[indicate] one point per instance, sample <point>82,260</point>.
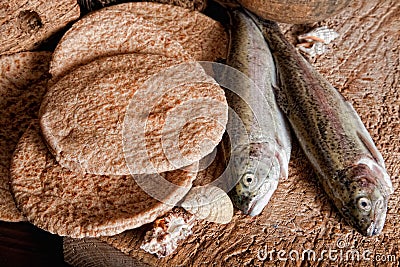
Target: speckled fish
<point>261,155</point>
<point>349,166</point>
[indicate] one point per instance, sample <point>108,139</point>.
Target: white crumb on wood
<point>164,238</point>
<point>314,42</point>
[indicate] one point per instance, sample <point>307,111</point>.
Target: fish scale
<point>349,167</point>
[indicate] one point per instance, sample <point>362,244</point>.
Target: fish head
<point>366,206</point>
<point>258,180</point>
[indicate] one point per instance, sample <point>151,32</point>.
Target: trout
<point>261,153</point>
<point>348,165</point>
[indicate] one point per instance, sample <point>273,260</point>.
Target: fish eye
<point>248,179</point>
<point>364,204</point>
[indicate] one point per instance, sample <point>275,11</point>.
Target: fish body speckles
<point>348,165</point>
<point>261,156</point>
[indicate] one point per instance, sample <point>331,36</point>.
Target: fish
<point>261,153</point>
<point>348,165</point>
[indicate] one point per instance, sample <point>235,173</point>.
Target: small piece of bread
<point>140,27</point>
<point>82,205</point>
<point>23,78</point>
<point>24,25</point>
<point>89,127</point>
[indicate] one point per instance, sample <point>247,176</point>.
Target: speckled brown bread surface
<point>82,114</point>
<point>296,11</point>
<point>83,205</point>
<point>107,33</point>
<point>24,25</point>
<point>23,78</point>
<point>140,27</point>
<point>363,64</point>
<point>204,38</point>
<point>83,117</point>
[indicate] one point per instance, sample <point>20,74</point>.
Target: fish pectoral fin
<point>283,163</point>
<point>369,144</point>
<point>365,137</point>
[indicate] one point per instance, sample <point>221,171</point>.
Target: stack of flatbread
<point>126,114</point>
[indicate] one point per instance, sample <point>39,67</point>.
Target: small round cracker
<point>140,27</point>
<point>82,205</point>
<point>83,117</point>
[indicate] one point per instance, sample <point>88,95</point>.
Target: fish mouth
<point>250,210</point>
<point>376,227</point>
<point>373,229</point>
<point>257,205</point>
<point>378,218</point>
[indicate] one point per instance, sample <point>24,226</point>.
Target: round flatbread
<point>23,78</point>
<point>107,33</point>
<point>140,27</point>
<point>83,116</point>
<point>204,38</point>
<point>82,205</point>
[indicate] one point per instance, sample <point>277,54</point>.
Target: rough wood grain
<point>23,78</point>
<point>94,253</point>
<point>363,63</point>
<point>24,24</point>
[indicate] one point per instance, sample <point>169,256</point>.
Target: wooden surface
<point>22,245</point>
<point>92,252</point>
<point>363,63</point>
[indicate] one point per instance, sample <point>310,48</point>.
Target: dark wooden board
<point>22,244</point>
